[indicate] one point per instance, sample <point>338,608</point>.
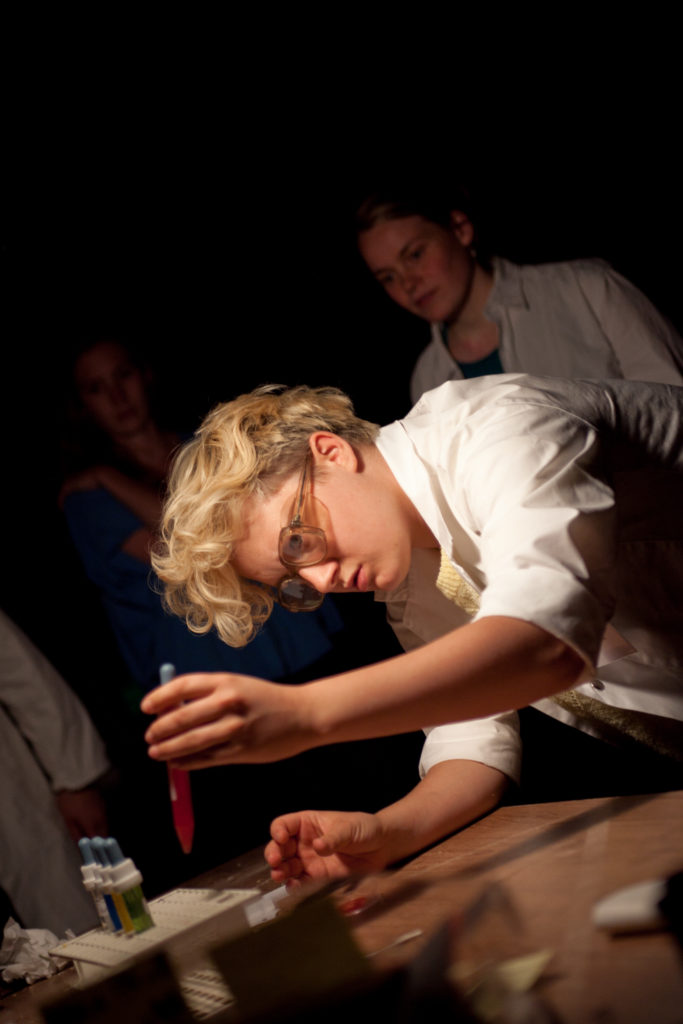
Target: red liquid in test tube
<point>179,788</point>
<point>181,805</point>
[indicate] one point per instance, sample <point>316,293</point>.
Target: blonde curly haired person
<point>526,533</point>
<point>244,450</point>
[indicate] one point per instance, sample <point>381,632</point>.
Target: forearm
<point>488,667</point>
<point>493,665</point>
<point>451,795</point>
<point>139,544</point>
<point>84,812</point>
<point>142,500</point>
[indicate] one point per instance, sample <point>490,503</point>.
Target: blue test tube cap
<point>113,851</point>
<point>86,850</point>
<point>98,848</point>
<point>166,672</point>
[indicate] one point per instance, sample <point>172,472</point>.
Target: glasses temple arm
<point>296,518</point>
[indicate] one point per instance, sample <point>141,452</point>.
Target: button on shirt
<point>559,502</point>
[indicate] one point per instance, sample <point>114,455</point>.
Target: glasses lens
<point>302,545</point>
<point>299,596</point>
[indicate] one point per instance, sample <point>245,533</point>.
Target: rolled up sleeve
<point>491,741</point>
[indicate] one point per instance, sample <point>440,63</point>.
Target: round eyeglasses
<point>300,546</point>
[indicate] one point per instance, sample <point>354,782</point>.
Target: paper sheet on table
<point>489,988</point>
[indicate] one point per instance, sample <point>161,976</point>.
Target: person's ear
<point>331,450</point>
<point>462,227</point>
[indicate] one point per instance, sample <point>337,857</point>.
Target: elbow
<point>562,663</point>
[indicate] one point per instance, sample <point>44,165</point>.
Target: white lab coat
<point>47,743</point>
<point>573,319</point>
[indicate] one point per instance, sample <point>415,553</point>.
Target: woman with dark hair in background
<point>578,318</point>
<point>112,504</point>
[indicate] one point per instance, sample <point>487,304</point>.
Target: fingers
<point>324,846</point>
<point>284,845</point>
<point>249,719</point>
<point>344,833</point>
<point>180,689</point>
<point>191,718</point>
<point>283,861</point>
<point>285,826</point>
<point>275,851</point>
<point>293,868</point>
<point>184,743</point>
<point>196,712</point>
<point>273,854</point>
<point>333,839</point>
<point>285,853</point>
<point>205,753</point>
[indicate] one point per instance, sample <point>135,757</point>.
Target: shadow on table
<point>556,833</point>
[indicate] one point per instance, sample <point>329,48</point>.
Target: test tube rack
<point>187,922</point>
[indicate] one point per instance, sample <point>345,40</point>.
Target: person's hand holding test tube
<point>179,787</point>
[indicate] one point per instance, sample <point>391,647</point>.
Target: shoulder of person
<point>563,280</point>
<point>587,269</point>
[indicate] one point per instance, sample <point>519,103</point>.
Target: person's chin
<point>389,581</point>
<point>433,308</point>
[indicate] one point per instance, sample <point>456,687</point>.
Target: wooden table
<point>553,862</point>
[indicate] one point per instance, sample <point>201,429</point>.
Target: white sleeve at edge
<point>492,741</point>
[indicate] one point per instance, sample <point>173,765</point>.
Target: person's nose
<point>410,282</point>
<point>117,393</point>
<point>323,576</point>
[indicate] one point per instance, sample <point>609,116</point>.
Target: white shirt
<point>47,743</point>
<point>560,502</point>
<point>574,319</point>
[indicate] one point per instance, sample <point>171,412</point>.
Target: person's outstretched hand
<point>325,844</point>
<point>213,718</point>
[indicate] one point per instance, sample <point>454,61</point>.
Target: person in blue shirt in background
<point>119,453</point>
<point>112,503</point>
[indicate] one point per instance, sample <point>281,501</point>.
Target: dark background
<point>217,236</point>
<point>228,254</point>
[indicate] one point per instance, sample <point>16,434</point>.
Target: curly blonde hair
<point>244,448</point>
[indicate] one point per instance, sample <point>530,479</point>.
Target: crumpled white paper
<point>24,953</point>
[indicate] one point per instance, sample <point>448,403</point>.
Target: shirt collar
<point>398,443</point>
<point>508,290</point>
